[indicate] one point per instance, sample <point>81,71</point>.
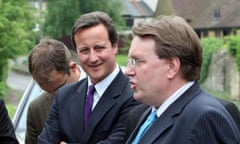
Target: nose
<point>92,56</point>
<point>129,70</point>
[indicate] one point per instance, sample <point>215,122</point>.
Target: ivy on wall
<point>233,45</point>
<point>210,45</point>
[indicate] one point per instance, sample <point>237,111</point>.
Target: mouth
<point>133,85</point>
<point>94,67</point>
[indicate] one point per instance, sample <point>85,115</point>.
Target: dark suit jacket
<point>136,113</point>
<point>196,117</point>
<point>106,123</point>
<point>36,117</point>
<point>7,134</point>
<point>233,110</point>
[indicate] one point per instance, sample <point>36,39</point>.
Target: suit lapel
<point>165,121</point>
<point>157,129</point>
<point>140,122</point>
<point>77,109</point>
<point>106,102</point>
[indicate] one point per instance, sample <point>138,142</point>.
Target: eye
<point>99,48</point>
<point>83,50</point>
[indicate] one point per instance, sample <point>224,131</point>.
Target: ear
<point>115,47</point>
<point>73,66</point>
<point>174,67</point>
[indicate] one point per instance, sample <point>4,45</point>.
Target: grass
<point>11,109</point>
<point>12,99</point>
<point>122,59</point>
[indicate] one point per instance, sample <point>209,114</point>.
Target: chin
<point>137,97</point>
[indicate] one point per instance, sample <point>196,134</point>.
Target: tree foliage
<point>61,14</point>
<point>16,35</point>
<point>59,17</point>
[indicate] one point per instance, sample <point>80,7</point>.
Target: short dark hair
<point>92,19</point>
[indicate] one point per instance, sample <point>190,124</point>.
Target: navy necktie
<point>89,103</point>
<point>145,126</point>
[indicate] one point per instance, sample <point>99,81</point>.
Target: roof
<point>200,13</point>
<point>136,9</point>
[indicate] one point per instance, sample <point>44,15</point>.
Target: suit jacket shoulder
<point>232,109</point>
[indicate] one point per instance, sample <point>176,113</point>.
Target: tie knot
<point>91,89</point>
<point>152,117</point>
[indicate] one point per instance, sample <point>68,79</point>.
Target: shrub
<point>233,44</point>
<point>3,90</point>
<point>210,45</point>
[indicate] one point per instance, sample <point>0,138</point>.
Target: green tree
<point>16,35</point>
<point>61,14</point>
<point>59,17</point>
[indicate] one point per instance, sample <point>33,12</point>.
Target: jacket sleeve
<point>7,134</point>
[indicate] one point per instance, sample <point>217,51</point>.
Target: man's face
<point>96,54</point>
<point>55,81</point>
<point>148,77</point>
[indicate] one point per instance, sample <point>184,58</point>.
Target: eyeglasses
<point>133,62</point>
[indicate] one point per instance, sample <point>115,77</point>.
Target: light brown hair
<point>47,56</point>
<point>174,37</point>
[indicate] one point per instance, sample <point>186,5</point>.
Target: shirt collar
<point>163,107</point>
<point>101,86</point>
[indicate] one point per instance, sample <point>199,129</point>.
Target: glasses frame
<point>131,62</point>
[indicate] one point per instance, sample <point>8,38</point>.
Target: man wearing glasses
<point>165,59</point>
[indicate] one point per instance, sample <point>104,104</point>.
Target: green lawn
<point>122,60</point>
<point>11,110</point>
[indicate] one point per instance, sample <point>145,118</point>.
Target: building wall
<point>223,74</point>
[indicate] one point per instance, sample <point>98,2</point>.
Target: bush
<point>3,90</point>
<point>233,44</point>
<point>210,45</point>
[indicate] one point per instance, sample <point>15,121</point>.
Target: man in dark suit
<point>164,65</point>
<point>7,134</point>
<point>95,39</point>
<point>135,115</point>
